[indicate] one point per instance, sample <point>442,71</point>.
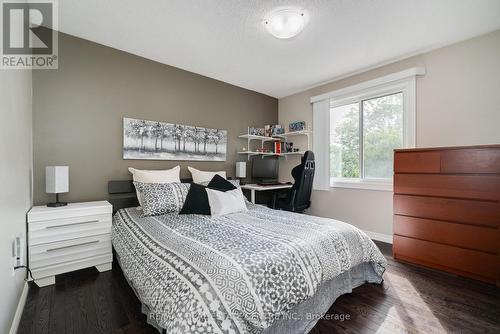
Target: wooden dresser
<point>447,209</point>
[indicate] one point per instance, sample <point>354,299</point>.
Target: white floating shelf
<point>262,138</point>
<point>294,133</point>
<point>294,153</point>
<point>271,153</point>
<point>276,138</point>
<point>256,153</point>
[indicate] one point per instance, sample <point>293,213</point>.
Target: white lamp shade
<point>241,169</point>
<point>56,179</point>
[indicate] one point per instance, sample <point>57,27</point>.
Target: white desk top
<point>254,186</point>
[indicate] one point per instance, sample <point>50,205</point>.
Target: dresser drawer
<point>481,187</point>
<point>466,236</point>
<point>471,160</point>
<point>69,250</point>
<point>417,162</point>
<point>454,210</point>
<point>68,228</point>
<point>454,259</point>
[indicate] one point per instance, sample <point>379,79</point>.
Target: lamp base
<point>57,204</point>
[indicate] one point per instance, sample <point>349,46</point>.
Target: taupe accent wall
<point>458,103</point>
<point>78,111</point>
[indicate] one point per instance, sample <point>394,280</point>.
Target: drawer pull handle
<point>64,247</point>
<point>69,224</point>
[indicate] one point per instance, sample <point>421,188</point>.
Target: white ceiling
<point>226,40</point>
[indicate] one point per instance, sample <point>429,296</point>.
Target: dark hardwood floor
<point>411,300</point>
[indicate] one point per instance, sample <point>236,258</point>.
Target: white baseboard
<point>379,236</point>
<point>19,309</point>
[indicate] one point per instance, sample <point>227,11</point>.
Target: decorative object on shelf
<point>244,149</point>
<point>280,136</point>
<point>56,182</point>
<point>152,140</point>
<point>273,130</point>
<point>297,126</point>
<point>277,130</point>
<point>268,130</point>
<point>277,147</point>
<point>241,169</point>
<point>254,131</point>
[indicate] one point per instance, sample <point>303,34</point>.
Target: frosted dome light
<point>285,23</point>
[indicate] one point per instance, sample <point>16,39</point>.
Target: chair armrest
<point>292,199</point>
<point>273,203</point>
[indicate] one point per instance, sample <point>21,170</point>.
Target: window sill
<point>366,185</point>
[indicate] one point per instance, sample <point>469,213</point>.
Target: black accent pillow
<point>221,184</point>
<point>196,201</point>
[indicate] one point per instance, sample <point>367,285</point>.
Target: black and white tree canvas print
<point>165,141</point>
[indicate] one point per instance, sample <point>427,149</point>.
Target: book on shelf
<point>277,147</point>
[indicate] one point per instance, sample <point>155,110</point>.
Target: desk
<point>255,187</point>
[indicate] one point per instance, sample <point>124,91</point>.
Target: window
<point>363,136</point>
<point>356,130</point>
<point>345,157</point>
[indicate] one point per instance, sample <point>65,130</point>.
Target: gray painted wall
<point>458,103</point>
<point>15,177</point>
<point>78,111</point>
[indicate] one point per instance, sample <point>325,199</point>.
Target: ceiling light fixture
<point>285,23</point>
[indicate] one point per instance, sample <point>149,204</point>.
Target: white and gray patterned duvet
<point>237,273</point>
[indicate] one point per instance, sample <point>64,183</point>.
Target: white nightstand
<point>69,238</point>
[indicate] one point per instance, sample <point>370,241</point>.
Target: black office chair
<point>298,198</point>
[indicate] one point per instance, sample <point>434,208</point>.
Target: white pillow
<point>224,202</point>
<point>155,176</point>
<point>202,176</point>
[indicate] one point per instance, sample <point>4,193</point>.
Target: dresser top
<point>72,209</point>
<point>493,146</point>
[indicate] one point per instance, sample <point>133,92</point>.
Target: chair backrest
<point>303,175</point>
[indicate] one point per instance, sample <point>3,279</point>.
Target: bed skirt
<point>304,316</point>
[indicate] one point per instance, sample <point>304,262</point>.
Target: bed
<point>259,271</point>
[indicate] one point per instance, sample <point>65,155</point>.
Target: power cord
<point>26,267</point>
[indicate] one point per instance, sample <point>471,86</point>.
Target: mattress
<point>258,271</point>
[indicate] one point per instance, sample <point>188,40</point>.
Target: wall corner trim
<point>379,236</point>
<point>19,310</point>
<point>393,77</point>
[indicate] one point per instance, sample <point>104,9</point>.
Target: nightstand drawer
<point>69,250</point>
<point>68,228</point>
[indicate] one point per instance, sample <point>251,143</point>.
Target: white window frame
<point>401,82</point>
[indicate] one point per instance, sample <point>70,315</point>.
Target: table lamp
<point>56,182</point>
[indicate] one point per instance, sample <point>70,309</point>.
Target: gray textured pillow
<point>162,198</point>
